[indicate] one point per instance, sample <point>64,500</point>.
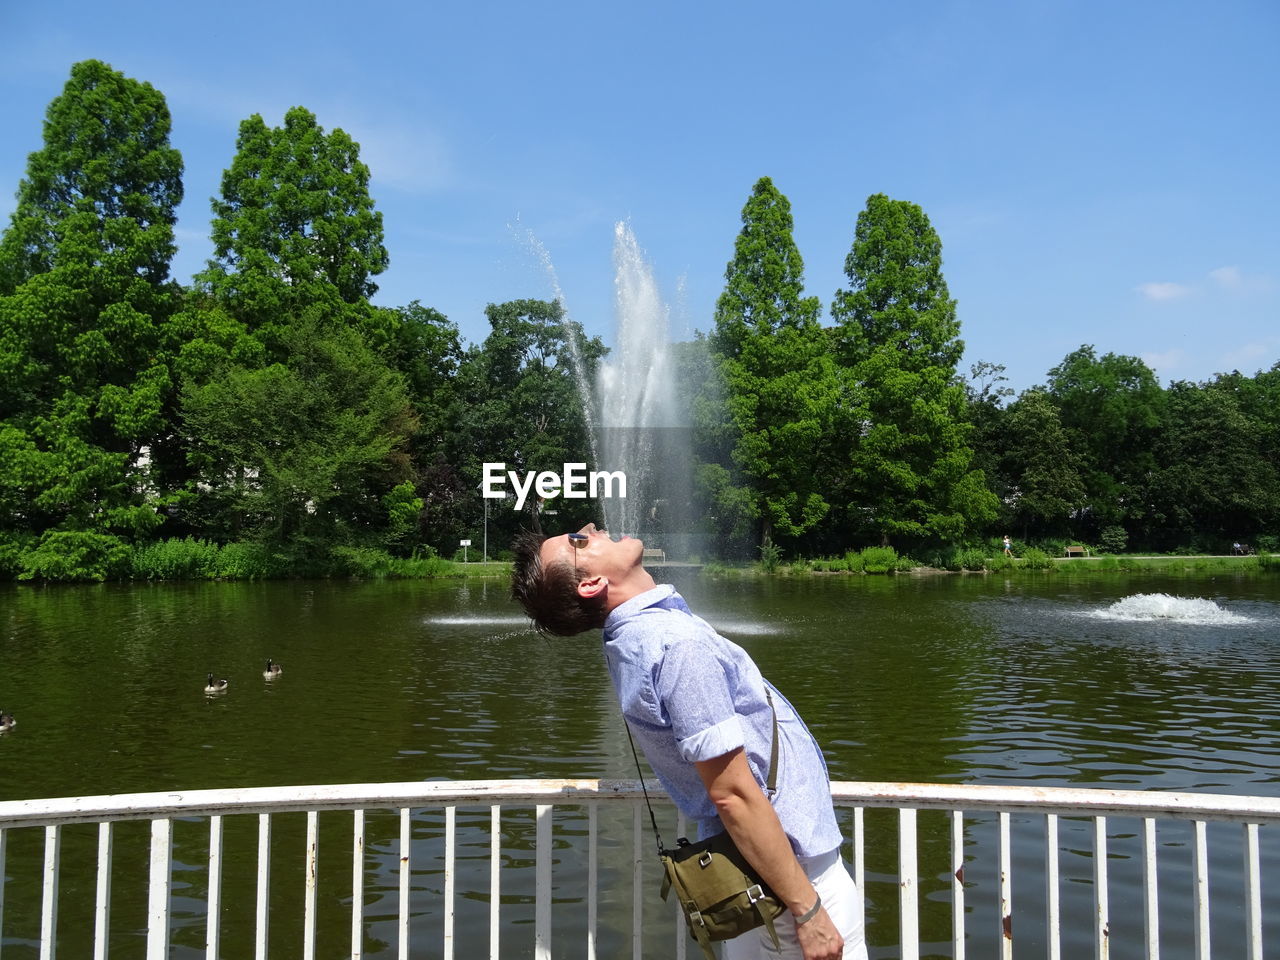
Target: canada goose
<point>272,670</point>
<point>215,686</point>
<point>7,722</point>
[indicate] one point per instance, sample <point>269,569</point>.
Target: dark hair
<point>549,594</point>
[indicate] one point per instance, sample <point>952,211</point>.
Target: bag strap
<point>771,785</point>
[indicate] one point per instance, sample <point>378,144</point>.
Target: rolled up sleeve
<point>694,691</point>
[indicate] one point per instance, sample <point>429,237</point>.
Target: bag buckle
<point>695,916</point>
<point>754,893</point>
<point>704,861</point>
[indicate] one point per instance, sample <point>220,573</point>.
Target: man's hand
<point>819,939</point>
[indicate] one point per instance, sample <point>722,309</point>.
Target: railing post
<point>357,885</point>
<point>1052,899</point>
<point>49,899</point>
<point>1150,890</point>
<point>102,894</point>
<point>495,883</point>
<point>2,886</point>
<point>1252,892</point>
<point>593,876</point>
<point>542,880</point>
<point>637,883</point>
<point>908,919</point>
<point>263,909</point>
<point>859,864</point>
<point>213,913</point>
<point>1101,901</point>
<point>1202,892</point>
<point>1006,890</point>
<point>957,885</point>
<point>311,864</point>
<point>406,872</point>
<point>450,826</point>
<point>158,890</point>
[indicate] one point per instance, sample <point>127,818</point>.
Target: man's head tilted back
<point>567,586</point>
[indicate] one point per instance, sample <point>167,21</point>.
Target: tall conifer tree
<point>301,443</point>
<point>84,292</point>
<point>295,229</point>
<point>898,340</point>
<point>777,375</point>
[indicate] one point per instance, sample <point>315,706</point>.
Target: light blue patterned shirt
<point>689,695</point>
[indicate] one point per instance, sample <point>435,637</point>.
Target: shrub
<point>853,562</point>
<point>1054,546</point>
<point>1034,559</point>
<point>838,565</point>
<point>948,558</point>
<point>799,566</point>
<point>75,555</point>
<point>905,564</point>
<point>879,559</point>
<point>999,562</point>
<point>11,552</point>
<point>245,561</point>
<point>770,555</point>
<point>971,559</point>
<point>1268,561</point>
<point>1113,539</point>
<point>361,562</point>
<point>186,559</point>
<point>1267,543</point>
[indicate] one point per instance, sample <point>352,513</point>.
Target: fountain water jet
<point>637,416</point>
<point>631,406</point>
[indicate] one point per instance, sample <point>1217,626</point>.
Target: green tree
<point>897,339</point>
<point>424,347</point>
<point>295,229</point>
<point>524,407</point>
<point>986,397</point>
<point>1038,467</point>
<point>84,296</point>
<point>1215,484</point>
<point>778,378</point>
<point>1111,407</point>
<point>303,455</point>
<point>297,418</point>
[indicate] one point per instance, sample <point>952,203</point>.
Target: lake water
<point>961,679</point>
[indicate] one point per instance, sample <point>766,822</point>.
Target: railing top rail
<point>1068,801</point>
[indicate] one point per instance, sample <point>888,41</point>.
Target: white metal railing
<point>957,809</point>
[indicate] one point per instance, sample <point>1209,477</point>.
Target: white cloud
<point>1251,356</point>
<point>1228,277</point>
<point>1162,291</point>
<point>1165,362</point>
<point>1235,280</point>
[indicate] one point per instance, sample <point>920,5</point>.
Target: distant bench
<point>1077,551</point>
<point>659,555</point>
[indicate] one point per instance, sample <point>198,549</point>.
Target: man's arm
<point>750,819</point>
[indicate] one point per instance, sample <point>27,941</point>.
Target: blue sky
<point>1100,173</point>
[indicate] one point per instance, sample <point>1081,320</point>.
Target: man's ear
<point>593,588</point>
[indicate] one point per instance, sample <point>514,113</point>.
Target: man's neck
<point>636,582</point>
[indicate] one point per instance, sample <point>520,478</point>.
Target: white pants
<point>839,896</point>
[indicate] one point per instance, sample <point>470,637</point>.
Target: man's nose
<point>589,529</point>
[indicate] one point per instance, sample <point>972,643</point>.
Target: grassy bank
<point>201,560</point>
<point>975,561</point>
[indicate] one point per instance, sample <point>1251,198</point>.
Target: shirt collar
<point>624,611</point>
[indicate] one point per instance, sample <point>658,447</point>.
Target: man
<point>699,708</point>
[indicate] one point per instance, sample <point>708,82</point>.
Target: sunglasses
<point>577,542</point>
